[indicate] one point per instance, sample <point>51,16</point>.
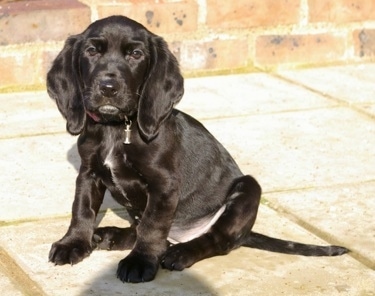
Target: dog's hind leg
<point>226,234</point>
<point>114,238</point>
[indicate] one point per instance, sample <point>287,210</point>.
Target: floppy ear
<point>64,86</point>
<point>162,89</point>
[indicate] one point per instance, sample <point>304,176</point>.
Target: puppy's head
<point>115,69</point>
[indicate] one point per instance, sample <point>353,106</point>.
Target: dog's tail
<point>263,242</point>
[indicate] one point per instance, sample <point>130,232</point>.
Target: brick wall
<point>207,36</point>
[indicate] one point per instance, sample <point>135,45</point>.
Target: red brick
<point>251,13</point>
<point>20,68</point>
<point>48,57</point>
<point>175,48</point>
<point>214,55</point>
<point>364,43</point>
<point>341,11</point>
<point>299,49</point>
<point>169,17</point>
<point>30,21</point>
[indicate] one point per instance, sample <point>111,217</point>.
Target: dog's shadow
<point>166,283</point>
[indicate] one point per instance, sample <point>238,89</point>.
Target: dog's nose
<point>108,88</point>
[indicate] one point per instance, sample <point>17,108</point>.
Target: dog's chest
<point>114,159</point>
<point>115,162</point>
<point>112,151</point>
<point>111,161</point>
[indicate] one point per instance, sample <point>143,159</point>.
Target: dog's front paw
<point>69,252</point>
<point>136,268</point>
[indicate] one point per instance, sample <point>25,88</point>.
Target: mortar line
<point>317,187</point>
<point>342,102</point>
<point>316,231</point>
<point>201,119</point>
<point>52,218</point>
<point>19,278</point>
<point>267,113</point>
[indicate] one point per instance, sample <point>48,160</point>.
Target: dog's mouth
<point>108,114</point>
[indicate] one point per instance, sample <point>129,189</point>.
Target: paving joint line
<point>18,277</point>
<point>318,187</point>
<point>316,231</point>
<point>325,95</point>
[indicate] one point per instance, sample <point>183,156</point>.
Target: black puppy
<point>116,84</point>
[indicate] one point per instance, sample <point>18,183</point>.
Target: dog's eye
<point>136,53</point>
<point>92,50</point>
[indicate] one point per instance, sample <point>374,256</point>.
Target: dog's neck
<point>127,122</point>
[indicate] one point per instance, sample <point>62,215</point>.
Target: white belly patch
<point>178,235</point>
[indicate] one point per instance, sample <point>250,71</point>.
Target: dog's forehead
<point>117,27</point>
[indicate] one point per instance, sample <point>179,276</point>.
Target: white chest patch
<point>110,163</point>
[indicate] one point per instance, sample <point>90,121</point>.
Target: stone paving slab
<point>29,114</point>
<point>284,151</point>
<point>246,94</point>
<point>302,149</point>
<point>317,161</point>
<point>34,113</point>
<point>32,123</point>
<point>306,135</point>
<point>335,213</point>
<point>353,84</point>
<point>7,285</point>
<point>243,272</point>
<point>40,178</point>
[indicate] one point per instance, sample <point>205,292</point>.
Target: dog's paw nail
<point>97,238</point>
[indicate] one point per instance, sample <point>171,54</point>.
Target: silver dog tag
<point>127,131</point>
